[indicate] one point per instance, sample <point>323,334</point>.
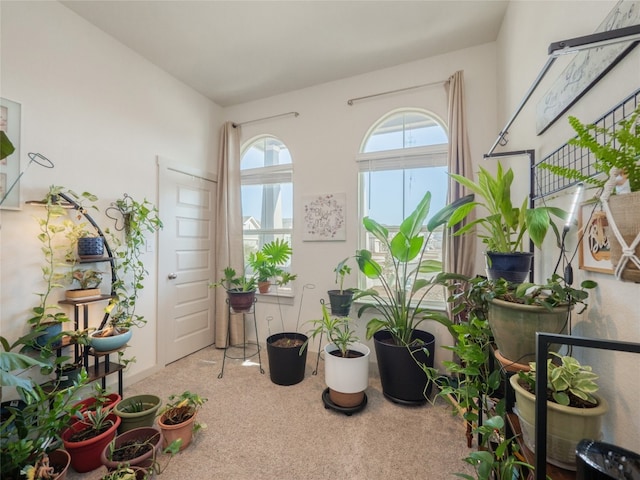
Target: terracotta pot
<point>60,460</point>
<point>264,287</point>
<point>85,455</point>
<point>173,432</point>
<point>142,434</point>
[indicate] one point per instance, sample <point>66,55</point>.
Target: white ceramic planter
<point>347,375</point>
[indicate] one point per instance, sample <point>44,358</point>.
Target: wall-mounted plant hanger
<point>564,47</point>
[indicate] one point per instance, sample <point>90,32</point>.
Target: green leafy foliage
<point>140,219</point>
<point>339,331</point>
<point>503,229</point>
<point>341,271</point>
<point>265,264</point>
<point>33,429</point>
<point>617,147</point>
<point>569,378</point>
<point>398,303</point>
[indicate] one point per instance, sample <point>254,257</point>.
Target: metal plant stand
<point>244,346</point>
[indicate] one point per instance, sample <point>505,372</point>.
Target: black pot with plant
<point>340,299</point>
<point>504,226</point>
<point>396,295</point>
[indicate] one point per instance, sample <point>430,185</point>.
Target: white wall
<point>527,31</point>
<point>324,141</point>
<point>102,114</point>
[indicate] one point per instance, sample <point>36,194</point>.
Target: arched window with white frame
<point>266,172</point>
<point>403,155</point>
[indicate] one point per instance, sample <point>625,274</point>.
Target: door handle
<point>172,276</point>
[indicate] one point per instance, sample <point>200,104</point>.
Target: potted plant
<point>88,280</point>
<point>89,246</point>
<point>616,151</point>
<point>397,300</point>
<point>127,473</point>
<point>516,312</point>
<point>241,289</point>
<point>267,264</point>
<point>125,470</point>
<point>504,226</point>
<point>138,220</point>
<point>137,447</point>
<point>346,361</point>
<point>574,410</point>
<point>47,318</point>
<point>341,298</point>
<point>30,431</point>
<point>473,386</point>
<point>100,398</point>
<point>86,437</point>
<point>177,420</point>
<point>137,411</point>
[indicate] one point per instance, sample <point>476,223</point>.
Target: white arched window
<point>403,155</point>
<point>267,192</point>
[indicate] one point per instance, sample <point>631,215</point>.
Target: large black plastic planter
<point>403,380</point>
<point>286,364</point>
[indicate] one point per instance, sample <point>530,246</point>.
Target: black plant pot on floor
<point>403,380</point>
<point>286,364</point>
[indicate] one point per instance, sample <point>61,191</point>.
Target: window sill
<point>281,297</point>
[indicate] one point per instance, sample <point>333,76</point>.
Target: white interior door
<point>186,261</point>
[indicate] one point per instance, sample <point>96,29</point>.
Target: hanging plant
<point>136,219</point>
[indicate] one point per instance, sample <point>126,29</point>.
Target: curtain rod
<point>431,84</point>
<point>295,114</point>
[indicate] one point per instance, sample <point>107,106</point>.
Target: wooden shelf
<point>553,472</point>
<point>101,298</point>
<point>102,370</point>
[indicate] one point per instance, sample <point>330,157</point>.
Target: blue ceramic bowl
<point>107,344</point>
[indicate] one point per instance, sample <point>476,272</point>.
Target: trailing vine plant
<point>138,219</point>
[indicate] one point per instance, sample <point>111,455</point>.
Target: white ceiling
<point>237,51</point>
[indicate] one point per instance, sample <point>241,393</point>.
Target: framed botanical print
<point>10,165</point>
<point>594,251</point>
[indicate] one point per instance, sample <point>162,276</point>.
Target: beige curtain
<point>459,251</point>
<point>229,245</point>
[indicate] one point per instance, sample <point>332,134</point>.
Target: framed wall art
<point>324,218</point>
<point>10,165</point>
<point>594,253</point>
<point>587,67</point>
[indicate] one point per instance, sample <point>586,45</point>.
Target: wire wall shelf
<point>546,183</point>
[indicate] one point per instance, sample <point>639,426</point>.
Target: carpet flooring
<point>258,430</point>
